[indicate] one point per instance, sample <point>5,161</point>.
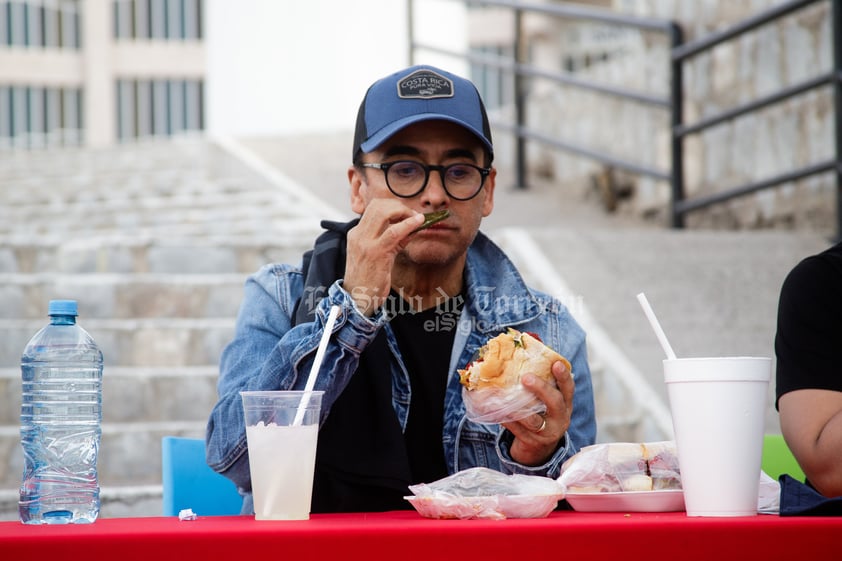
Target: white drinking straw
<point>317,363</point>
<point>647,309</point>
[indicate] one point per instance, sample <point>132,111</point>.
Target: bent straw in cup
<point>656,326</point>
<point>317,363</point>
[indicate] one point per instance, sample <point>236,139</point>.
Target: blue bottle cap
<point>63,308</point>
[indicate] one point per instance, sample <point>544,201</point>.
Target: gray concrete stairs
<point>154,240</point>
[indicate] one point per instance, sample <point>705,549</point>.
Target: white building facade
<point>95,72</point>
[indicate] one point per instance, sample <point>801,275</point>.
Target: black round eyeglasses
<point>406,178</point>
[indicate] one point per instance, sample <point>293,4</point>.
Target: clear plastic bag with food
<point>622,467</point>
<point>485,493</point>
<point>492,390</point>
<point>493,406</point>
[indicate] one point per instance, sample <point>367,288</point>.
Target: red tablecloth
<point>407,536</point>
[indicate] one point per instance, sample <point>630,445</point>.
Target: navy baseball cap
<point>419,93</point>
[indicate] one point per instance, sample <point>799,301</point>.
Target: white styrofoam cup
<point>718,412</point>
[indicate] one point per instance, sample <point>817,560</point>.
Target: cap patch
<point>424,84</point>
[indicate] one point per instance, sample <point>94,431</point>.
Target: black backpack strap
<point>321,266</point>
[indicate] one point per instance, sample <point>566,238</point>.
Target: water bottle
<point>60,417</point>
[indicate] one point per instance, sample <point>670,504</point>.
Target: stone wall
<point>780,138</point>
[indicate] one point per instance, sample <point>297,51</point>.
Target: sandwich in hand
<point>492,388</point>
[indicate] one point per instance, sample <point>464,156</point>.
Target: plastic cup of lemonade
<point>281,430</point>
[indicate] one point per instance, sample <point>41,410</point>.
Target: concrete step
<point>115,502</point>
<point>165,342</point>
<point>183,188</point>
<point>146,167</point>
<point>140,406</point>
<point>247,212</point>
<point>141,394</point>
<point>122,296</point>
<point>117,253</point>
<point>154,239</point>
<point>127,188</point>
<point>259,221</point>
<point>129,454</point>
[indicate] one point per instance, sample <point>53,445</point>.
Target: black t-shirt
<point>808,343</point>
<point>425,340</point>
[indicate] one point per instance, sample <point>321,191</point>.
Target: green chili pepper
<point>431,218</point>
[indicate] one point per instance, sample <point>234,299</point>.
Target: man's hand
<point>373,244</point>
<point>537,437</point>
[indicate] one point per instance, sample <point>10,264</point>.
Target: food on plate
<point>431,218</point>
<point>622,467</point>
<point>662,460</point>
<point>492,388</point>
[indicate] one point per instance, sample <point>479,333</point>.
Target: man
<point>808,345</point>
<point>415,306</point>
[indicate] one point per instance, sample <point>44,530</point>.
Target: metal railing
<point>680,204</point>
<point>518,66</point>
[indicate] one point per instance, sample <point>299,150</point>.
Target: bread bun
<point>504,359</point>
<point>492,391</point>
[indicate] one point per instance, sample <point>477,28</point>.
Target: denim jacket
<point>268,353</point>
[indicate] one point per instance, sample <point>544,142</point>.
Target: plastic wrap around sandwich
<point>622,467</point>
<point>492,389</point>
